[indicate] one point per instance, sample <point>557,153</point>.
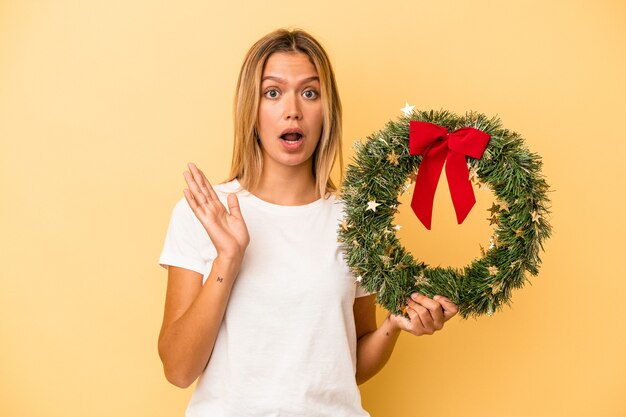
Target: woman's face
<point>290,111</point>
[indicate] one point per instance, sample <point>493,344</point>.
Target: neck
<point>287,186</point>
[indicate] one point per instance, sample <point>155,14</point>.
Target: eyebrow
<point>282,81</point>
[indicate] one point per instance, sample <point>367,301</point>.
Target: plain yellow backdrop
<point>102,104</point>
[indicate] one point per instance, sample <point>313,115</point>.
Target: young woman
<point>260,303</point>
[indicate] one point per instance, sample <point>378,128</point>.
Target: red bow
<point>437,145</point>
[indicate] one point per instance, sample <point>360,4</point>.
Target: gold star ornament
<point>371,205</point>
<point>495,208</point>
<point>420,279</point>
<point>407,110</point>
<point>493,270</point>
<point>393,158</point>
<point>535,216</point>
<point>473,173</point>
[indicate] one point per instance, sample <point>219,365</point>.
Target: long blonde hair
<point>247,162</point>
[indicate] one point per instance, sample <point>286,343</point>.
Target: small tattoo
<point>219,279</point>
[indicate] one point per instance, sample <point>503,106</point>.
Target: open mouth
<point>291,137</point>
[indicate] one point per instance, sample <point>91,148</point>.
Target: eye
<point>271,93</point>
<point>310,94</point>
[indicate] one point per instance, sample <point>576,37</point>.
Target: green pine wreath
<point>382,169</point>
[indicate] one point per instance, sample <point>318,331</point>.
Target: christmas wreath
<point>413,149</point>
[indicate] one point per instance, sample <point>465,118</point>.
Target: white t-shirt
<point>287,344</point>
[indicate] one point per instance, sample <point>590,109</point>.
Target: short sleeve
<point>182,247</point>
<point>362,292</point>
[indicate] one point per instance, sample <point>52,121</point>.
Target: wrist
<point>229,264</point>
<point>391,325</point>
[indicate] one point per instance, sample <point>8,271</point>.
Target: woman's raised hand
<point>228,232</point>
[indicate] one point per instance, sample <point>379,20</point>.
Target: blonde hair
<point>247,162</point>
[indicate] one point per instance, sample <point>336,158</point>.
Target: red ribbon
<point>438,146</point>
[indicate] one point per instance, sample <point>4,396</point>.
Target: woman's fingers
<point>435,313</point>
<point>190,200</point>
<point>197,193</point>
<point>206,183</point>
<point>450,309</point>
<point>199,180</point>
<point>425,318</point>
<point>233,206</point>
<point>428,315</point>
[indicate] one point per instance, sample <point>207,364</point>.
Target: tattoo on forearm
<point>219,279</point>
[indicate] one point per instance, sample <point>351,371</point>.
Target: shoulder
<point>222,190</point>
<point>336,201</point>
<point>335,204</point>
<point>229,187</point>
<point>183,216</point>
<point>183,212</point>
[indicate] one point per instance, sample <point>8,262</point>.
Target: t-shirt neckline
<point>277,208</point>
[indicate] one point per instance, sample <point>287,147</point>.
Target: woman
<point>260,303</point>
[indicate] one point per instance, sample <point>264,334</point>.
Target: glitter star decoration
<point>344,225</point>
<point>503,205</point>
<point>495,208</point>
<point>359,278</point>
<point>420,279</point>
<point>493,220</point>
<point>371,205</point>
<point>392,158</point>
<point>407,110</point>
<point>493,270</point>
<point>473,173</point>
<point>484,186</point>
<point>535,216</point>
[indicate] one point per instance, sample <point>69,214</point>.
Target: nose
<point>292,108</point>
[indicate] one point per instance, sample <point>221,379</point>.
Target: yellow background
<point>102,104</point>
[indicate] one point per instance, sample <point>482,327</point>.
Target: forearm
<point>374,350</point>
<point>185,345</point>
